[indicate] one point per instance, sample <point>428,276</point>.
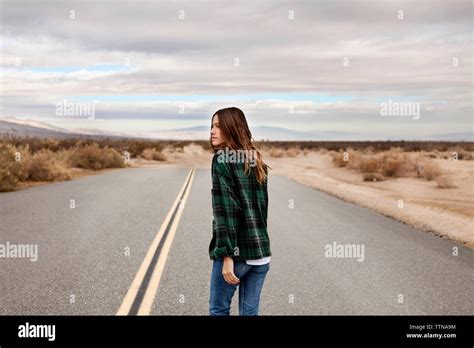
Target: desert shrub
<point>44,166</point>
<point>94,157</point>
<point>369,165</point>
<point>428,170</point>
<point>339,158</point>
<point>465,155</point>
<point>153,155</point>
<point>10,168</point>
<point>276,152</point>
<point>390,167</point>
<point>391,163</point>
<point>292,152</point>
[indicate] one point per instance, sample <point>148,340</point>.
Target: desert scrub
<point>10,168</point>
<point>428,170</point>
<point>45,166</point>
<point>93,157</point>
<point>349,158</point>
<point>153,155</point>
<point>368,165</point>
<point>276,152</point>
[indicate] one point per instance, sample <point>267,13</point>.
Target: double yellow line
<point>141,294</point>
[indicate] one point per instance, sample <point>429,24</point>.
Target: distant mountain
<point>44,130</point>
<point>31,128</point>
<point>34,128</point>
<point>452,137</point>
<point>259,133</point>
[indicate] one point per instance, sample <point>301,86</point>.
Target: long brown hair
<point>237,136</point>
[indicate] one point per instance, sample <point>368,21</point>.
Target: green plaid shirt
<point>240,208</point>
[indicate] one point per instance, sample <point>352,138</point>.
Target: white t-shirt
<point>258,262</point>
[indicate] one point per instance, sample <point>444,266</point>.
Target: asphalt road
<point>89,254</point>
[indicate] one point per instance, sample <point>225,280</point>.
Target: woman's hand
<point>228,271</point>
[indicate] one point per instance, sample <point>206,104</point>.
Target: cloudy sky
<point>322,69</point>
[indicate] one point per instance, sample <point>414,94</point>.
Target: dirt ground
<point>446,212</point>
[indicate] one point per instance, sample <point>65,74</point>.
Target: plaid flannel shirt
<point>240,209</point>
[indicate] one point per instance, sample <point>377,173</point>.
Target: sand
<point>447,213</point>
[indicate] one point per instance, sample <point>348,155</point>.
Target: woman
<point>240,246</point>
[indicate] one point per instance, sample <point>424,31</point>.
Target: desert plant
<point>292,152</point>
<point>94,157</point>
<point>368,165</point>
<point>44,166</point>
<point>153,155</point>
<point>429,170</point>
<point>10,168</point>
<point>340,158</point>
<point>391,164</point>
<point>276,152</point>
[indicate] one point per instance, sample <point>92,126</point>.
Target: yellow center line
<point>137,282</point>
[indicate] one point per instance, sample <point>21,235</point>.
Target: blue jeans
<point>250,287</point>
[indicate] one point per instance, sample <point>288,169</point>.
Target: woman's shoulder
<point>220,165</point>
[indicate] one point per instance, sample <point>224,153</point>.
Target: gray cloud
<point>388,57</point>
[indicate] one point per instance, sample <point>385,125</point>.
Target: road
<point>97,238</point>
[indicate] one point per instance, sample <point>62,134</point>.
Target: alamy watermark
<point>336,250</point>
<point>403,109</point>
<point>10,250</point>
<point>237,156</point>
<point>76,109</point>
<point>28,330</point>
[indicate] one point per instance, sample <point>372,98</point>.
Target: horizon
<point>198,135</point>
